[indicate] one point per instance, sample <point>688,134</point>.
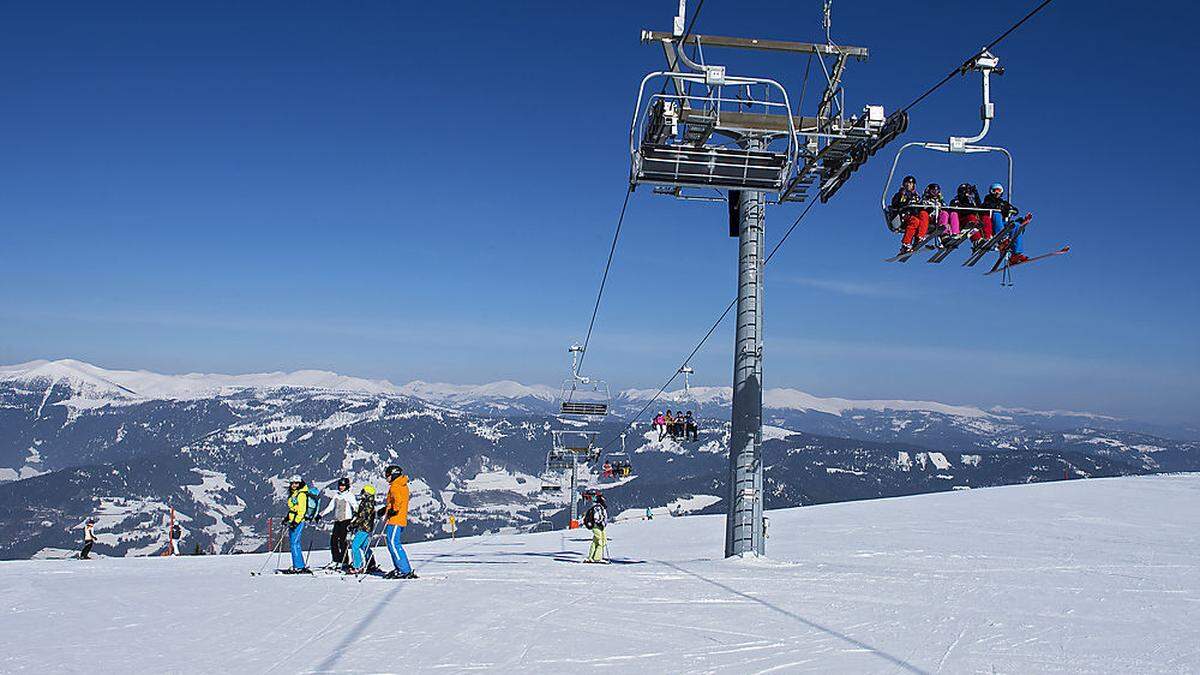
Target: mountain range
<point>126,447</point>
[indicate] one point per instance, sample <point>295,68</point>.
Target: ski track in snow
<point>1093,576</point>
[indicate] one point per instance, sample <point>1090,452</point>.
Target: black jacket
<point>905,201</point>
<point>1000,204</point>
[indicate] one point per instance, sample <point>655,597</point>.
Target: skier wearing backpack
<point>298,512</point>
<point>396,511</point>
<point>89,538</point>
<point>341,505</point>
<point>362,525</point>
<point>594,520</point>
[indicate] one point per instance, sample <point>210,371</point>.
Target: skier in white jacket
<point>341,505</point>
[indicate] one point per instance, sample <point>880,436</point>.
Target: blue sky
<point>402,191</point>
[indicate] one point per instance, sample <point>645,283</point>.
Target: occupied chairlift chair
<point>985,63</point>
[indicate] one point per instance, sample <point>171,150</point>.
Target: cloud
<point>854,288</point>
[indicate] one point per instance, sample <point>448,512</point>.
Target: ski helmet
<point>343,483</point>
<point>91,521</point>
<point>910,179</point>
<point>369,489</point>
<point>296,479</point>
<point>996,186</point>
<point>392,471</point>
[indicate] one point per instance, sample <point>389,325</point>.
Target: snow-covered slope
<point>1081,576</point>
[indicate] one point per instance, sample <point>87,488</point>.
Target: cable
<point>712,329</point>
<point>621,219</point>
<point>604,279</point>
<point>966,64</point>
<point>804,213</point>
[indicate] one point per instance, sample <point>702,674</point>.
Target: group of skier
<point>354,518</point>
<point>915,213</point>
<point>681,426</point>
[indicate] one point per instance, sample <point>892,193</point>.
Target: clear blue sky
<point>427,190</point>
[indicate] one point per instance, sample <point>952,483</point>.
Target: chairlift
<point>987,64</point>
<point>621,465</point>
<point>671,137</point>
<point>583,397</point>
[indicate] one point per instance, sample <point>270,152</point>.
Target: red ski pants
<point>915,225</point>
<point>983,224</point>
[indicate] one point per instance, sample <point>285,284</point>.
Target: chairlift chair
<point>621,465</point>
<point>985,63</point>
<point>674,138</point>
<point>583,397</point>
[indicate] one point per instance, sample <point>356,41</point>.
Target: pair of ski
<point>1003,263</point>
<point>917,247</point>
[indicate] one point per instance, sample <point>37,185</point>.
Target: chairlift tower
<point>699,130</point>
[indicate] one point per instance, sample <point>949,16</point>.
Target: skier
<point>660,424</point>
<point>396,511</point>
<point>691,429</point>
<point>297,510</point>
<point>965,207</point>
<point>594,520</point>
<point>341,505</point>
<point>932,200</point>
<point>362,525</point>
<point>1002,212</point>
<point>89,538</point>
<point>904,207</point>
<point>667,425</point>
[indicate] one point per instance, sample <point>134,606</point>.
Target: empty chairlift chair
<point>710,130</point>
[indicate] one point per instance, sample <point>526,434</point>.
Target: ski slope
<point>1080,576</point>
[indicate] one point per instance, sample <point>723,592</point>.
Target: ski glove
<point>317,518</point>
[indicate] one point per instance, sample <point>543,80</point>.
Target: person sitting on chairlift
<point>964,209</point>
<point>906,207</point>
<point>668,425</point>
<point>691,429</point>
<point>1002,212</point>
<point>932,200</point>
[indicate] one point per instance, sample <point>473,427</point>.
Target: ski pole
<point>313,523</point>
<point>273,550</point>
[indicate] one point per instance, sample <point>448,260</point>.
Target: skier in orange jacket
<point>396,512</point>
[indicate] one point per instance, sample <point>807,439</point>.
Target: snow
<point>939,460</point>
<point>140,384</point>
<point>1089,575</point>
<point>794,399</point>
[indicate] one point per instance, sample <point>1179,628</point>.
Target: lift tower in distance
<point>700,133</point>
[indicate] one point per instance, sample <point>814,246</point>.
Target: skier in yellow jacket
<point>396,512</point>
<point>297,509</point>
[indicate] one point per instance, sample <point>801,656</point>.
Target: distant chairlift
<point>583,397</point>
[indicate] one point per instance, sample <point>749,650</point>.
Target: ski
<point>1036,258</point>
<point>987,246</point>
<point>917,247</point>
<point>949,247</point>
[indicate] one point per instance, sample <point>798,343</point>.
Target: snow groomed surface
<point>1079,576</point>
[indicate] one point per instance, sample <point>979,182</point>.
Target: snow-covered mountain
<point>1097,576</point>
<point>78,440</point>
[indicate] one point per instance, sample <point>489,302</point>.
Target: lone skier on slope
<point>396,511</point>
<point>341,505</point>
<point>362,525</point>
<point>297,510</point>
<point>89,538</point>
<point>594,520</point>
